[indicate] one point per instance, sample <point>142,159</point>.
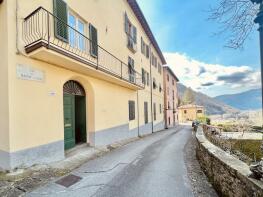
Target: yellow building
<point>75,72</point>
<point>190,112</point>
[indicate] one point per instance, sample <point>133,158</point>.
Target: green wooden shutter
<point>131,110</point>
<point>148,79</point>
<point>154,111</point>
<point>143,76</point>
<point>61,12</point>
<point>147,51</point>
<point>142,51</point>
<point>93,35</point>
<point>126,23</point>
<point>134,34</point>
<point>145,112</point>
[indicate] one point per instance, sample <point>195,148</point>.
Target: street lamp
<point>259,20</point>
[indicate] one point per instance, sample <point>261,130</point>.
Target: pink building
<point>170,97</point>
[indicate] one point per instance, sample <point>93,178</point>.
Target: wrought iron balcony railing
<point>39,30</point>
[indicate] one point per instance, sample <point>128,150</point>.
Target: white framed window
<point>131,32</point>
<point>77,32</point>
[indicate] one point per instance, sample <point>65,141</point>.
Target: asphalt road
<point>152,166</point>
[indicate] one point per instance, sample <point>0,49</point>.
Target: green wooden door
<point>80,119</point>
<point>69,121</point>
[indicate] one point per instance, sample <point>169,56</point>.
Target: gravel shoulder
<point>200,184</point>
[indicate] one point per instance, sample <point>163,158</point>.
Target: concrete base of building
<point>159,126</point>
<point>172,125</point>
<point>145,129</point>
<point>38,155</point>
<point>112,135</point>
<point>55,151</point>
<point>122,132</point>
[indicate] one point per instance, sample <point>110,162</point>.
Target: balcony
<point>76,53</point>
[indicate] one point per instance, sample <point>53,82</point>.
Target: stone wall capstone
<point>229,176</point>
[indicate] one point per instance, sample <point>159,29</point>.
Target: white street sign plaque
<point>27,73</point>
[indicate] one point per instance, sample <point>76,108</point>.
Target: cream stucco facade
<point>31,110</point>
<point>190,112</point>
<point>170,97</point>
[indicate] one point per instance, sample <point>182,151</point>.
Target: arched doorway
<point>74,114</point>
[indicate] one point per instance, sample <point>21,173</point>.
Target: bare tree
<point>236,20</point>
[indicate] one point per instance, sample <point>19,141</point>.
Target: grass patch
<point>250,148</point>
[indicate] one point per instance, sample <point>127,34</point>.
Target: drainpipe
<point>17,28</point>
<point>165,100</point>
<point>138,113</point>
<point>150,52</point>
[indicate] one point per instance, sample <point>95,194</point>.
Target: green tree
<point>188,97</point>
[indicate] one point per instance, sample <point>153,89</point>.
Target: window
<point>160,108</point>
<point>169,120</point>
<point>143,47</point>
<point>167,77</point>
<point>61,12</point>
<point>131,69</point>
<point>173,82</point>
<point>168,105</point>
<point>154,84</point>
<point>160,88</point>
<point>199,111</point>
<point>94,40</point>
<point>173,95</point>
<point>81,39</point>
<point>159,68</point>
<point>154,111</point>
<point>185,111</point>
<point>143,76</point>
<point>131,32</point>
<point>154,61</point>
<point>131,110</point>
<point>148,79</point>
<point>147,51</point>
<point>76,33</point>
<point>145,112</point>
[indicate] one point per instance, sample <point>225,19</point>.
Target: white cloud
<point>203,76</point>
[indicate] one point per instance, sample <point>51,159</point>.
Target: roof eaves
<point>171,72</point>
<point>139,14</point>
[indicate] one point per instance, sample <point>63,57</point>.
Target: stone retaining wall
<point>228,175</point>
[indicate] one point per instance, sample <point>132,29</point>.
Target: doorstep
<point>79,155</point>
<point>82,153</point>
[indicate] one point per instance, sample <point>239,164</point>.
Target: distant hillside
<point>211,105</point>
<point>248,100</point>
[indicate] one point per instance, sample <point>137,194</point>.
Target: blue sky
<point>198,57</point>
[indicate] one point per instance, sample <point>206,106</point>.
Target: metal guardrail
<point>39,29</point>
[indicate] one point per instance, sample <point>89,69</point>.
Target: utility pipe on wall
<point>138,113</point>
<point>151,82</point>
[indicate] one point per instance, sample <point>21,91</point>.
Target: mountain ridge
<point>212,106</point>
<point>248,100</point>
